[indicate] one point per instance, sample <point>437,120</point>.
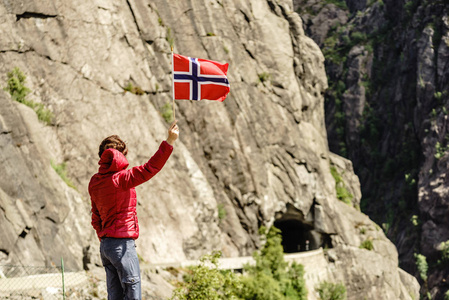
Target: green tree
<point>271,278</point>
<point>296,288</point>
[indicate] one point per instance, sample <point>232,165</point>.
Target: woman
<point>114,218</point>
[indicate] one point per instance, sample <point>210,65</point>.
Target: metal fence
<point>47,283</point>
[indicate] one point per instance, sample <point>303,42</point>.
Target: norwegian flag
<point>197,79</point>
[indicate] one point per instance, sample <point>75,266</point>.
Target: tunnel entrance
<point>299,235</point>
<point>296,236</point>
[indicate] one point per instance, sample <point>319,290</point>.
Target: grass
<point>170,38</point>
<point>136,90</point>
<point>221,211</point>
<point>61,170</point>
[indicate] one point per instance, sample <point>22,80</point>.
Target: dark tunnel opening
<point>298,236</point>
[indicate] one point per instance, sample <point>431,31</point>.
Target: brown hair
<point>113,142</point>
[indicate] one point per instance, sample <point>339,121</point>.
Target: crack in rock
<point>29,15</point>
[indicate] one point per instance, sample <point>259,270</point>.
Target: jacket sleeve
<point>138,175</point>
<point>96,220</point>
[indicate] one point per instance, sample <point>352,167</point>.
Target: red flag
<point>197,79</point>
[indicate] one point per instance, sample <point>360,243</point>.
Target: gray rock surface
<point>386,110</point>
<point>262,155</point>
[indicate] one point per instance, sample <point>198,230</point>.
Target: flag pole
<point>173,83</point>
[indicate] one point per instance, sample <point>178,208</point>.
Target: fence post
<point>63,284</point>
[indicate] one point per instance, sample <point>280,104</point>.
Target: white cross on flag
<point>197,79</point>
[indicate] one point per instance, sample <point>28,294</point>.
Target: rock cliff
<point>259,158</point>
<point>386,110</point>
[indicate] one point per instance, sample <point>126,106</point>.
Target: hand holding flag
<point>173,133</point>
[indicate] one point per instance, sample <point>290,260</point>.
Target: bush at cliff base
<point>270,278</point>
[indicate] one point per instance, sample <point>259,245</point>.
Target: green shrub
<point>43,114</point>
<point>369,47</point>
<point>331,291</point>
<point>421,264</point>
<point>136,90</point>
<point>296,288</point>
<point>415,221</point>
<point>342,192</point>
<point>15,86</point>
<point>410,7</point>
<point>269,279</point>
<point>339,3</point>
<point>331,41</point>
<point>440,150</point>
<point>261,286</point>
<point>358,37</point>
<point>444,248</point>
<point>207,282</point>
<point>167,112</point>
<point>331,52</point>
<point>264,76</point>
<point>409,179</point>
<point>367,244</point>
<point>446,295</point>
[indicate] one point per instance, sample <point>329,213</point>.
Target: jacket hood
<point>112,160</point>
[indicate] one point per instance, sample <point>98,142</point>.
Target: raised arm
<point>138,175</point>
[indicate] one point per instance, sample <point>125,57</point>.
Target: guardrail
<point>237,263</point>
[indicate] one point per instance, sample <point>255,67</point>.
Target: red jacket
<point>113,195</point>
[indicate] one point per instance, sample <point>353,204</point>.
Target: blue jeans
<point>121,263</point>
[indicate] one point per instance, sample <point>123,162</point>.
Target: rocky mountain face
<point>386,110</point>
<point>96,68</point>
